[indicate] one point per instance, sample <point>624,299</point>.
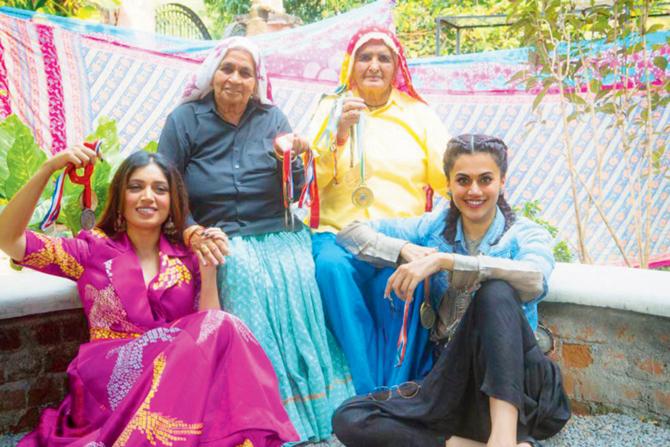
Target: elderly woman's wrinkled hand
<point>210,245</point>
<point>352,107</point>
<point>300,144</point>
<point>290,141</point>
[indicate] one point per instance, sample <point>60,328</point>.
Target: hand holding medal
<point>286,147</point>
<point>72,159</point>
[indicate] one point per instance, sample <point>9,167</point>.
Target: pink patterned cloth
<point>199,83</point>
<point>155,372</point>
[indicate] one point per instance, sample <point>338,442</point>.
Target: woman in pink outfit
<point>164,366</point>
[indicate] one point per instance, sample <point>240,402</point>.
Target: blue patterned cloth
<point>268,281</point>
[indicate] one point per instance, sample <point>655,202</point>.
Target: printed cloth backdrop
<point>59,75</point>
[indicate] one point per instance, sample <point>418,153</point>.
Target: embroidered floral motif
<point>53,253</point>
<point>155,426</point>
<point>108,268</point>
<point>97,333</point>
<point>107,312</point>
<point>95,444</point>
<point>128,367</point>
<point>98,233</point>
<point>247,443</point>
<point>173,272</point>
<point>243,330</point>
<point>210,324</point>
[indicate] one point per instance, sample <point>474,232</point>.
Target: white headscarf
<point>199,83</point>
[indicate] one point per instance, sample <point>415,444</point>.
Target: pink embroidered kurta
<point>156,372</point>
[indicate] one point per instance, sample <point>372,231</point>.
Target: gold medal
<point>362,197</point>
<point>427,315</point>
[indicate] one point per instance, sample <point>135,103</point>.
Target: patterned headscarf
<point>199,83</point>
<point>402,81</point>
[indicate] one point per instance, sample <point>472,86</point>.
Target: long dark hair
<point>113,213</point>
<point>471,144</point>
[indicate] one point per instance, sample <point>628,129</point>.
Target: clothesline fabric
<point>61,75</point>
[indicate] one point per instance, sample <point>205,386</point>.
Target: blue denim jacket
<point>523,241</point>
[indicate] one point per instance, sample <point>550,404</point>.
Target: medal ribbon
<point>360,151</point>
<point>283,149</point>
<point>71,172</point>
<point>402,337</point>
<point>429,198</point>
<point>328,131</point>
<point>310,192</point>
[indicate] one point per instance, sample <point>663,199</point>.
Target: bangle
<point>190,232</point>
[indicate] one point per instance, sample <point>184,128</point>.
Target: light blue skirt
<point>268,281</point>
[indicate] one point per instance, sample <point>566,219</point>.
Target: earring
<point>169,228</point>
<point>449,195</point>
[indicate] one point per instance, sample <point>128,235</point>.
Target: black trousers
<point>493,353</point>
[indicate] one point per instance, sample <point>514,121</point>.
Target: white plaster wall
<point>643,291</point>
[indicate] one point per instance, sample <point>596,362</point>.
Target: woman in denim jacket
<point>487,270</point>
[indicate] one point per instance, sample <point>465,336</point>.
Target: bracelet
<point>190,232</point>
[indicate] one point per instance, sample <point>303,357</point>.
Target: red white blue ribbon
<point>57,196</point>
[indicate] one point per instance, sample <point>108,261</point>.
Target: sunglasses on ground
<point>405,390</point>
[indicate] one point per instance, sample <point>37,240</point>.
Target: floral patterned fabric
<point>156,372</point>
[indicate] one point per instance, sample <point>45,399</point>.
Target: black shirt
<point>232,175</point>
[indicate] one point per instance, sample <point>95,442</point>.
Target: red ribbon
<point>310,188</point>
<point>402,338</point>
<point>429,198</point>
<point>84,179</point>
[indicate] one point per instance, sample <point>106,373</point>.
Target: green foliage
<point>415,25</point>
<point>80,9</point>
<point>531,210</point>
<point>20,157</point>
<point>563,59</point>
<point>414,19</point>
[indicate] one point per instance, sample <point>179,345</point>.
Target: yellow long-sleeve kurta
<point>403,142</point>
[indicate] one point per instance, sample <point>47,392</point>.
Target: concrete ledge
<point>636,290</point>
<point>28,293</point>
<point>644,291</point>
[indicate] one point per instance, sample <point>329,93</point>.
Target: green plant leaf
<point>100,183</point>
<point>151,147</point>
<point>24,157</point>
<point>661,62</point>
<point>106,132</point>
<point>41,210</point>
<point>70,211</point>
<point>608,108</point>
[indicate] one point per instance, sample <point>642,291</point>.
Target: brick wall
<point>34,354</point>
<point>612,360</point>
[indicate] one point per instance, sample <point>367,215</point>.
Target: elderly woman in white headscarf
<point>222,139</point>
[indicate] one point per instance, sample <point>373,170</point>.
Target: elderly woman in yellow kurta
<point>379,155</point>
